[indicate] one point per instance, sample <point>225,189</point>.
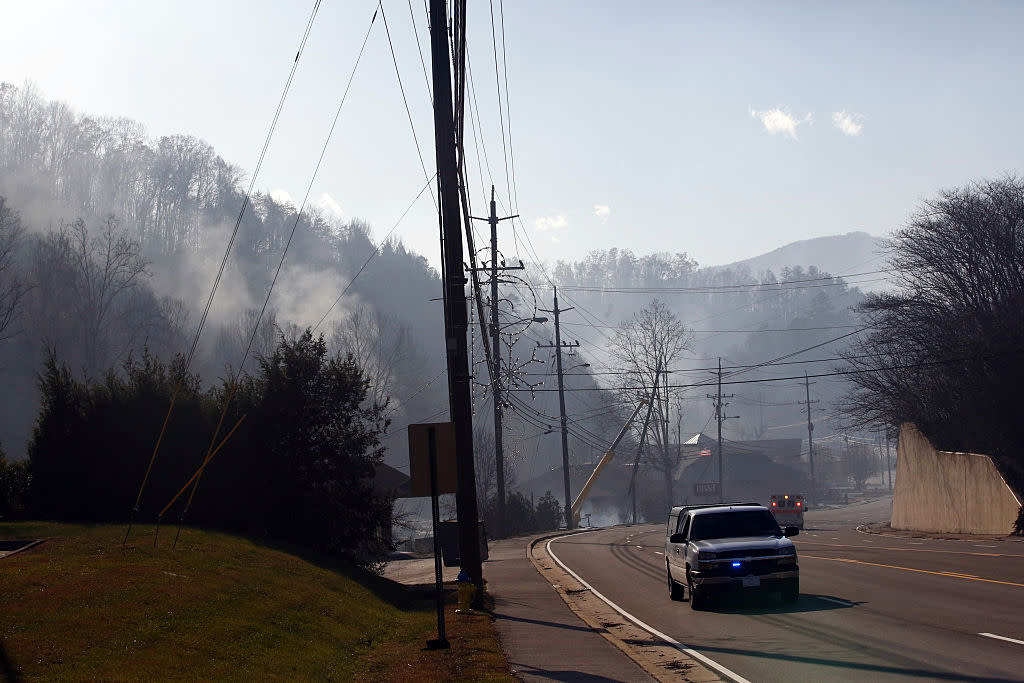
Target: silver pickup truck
<point>713,548</point>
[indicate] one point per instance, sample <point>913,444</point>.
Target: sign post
<point>442,640</point>
<point>424,440</point>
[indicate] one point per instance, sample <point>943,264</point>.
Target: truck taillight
<point>774,504</point>
<point>799,504</point>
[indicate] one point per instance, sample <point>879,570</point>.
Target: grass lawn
<point>220,607</point>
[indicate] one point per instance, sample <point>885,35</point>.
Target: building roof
<point>387,479</point>
<point>700,439</point>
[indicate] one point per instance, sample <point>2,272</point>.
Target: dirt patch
<point>883,528</point>
<point>661,660</point>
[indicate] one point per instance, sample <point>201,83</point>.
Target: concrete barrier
<point>947,492</point>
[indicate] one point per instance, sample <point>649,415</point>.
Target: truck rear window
<point>733,525</point>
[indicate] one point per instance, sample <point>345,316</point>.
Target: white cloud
<point>848,123</point>
<point>778,121</point>
<point>281,196</point>
<point>545,223</point>
<point>602,212</point>
<point>328,204</point>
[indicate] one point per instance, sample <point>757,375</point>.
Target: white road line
<point>707,661</point>
<point>844,603</point>
<point>658,552</point>
<point>976,545</point>
<point>1009,640</point>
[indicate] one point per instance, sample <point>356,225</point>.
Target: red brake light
<point>774,503</point>
<point>798,503</point>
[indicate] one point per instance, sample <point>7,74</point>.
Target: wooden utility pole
<point>499,450</point>
<point>810,443</point>
<point>719,409</point>
<point>643,439</point>
<point>561,405</point>
<point>456,320</point>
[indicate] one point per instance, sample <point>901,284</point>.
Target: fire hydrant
<point>466,592</point>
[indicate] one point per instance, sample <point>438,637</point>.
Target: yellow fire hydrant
<point>466,592</point>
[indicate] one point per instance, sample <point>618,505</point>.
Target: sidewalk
<point>542,638</point>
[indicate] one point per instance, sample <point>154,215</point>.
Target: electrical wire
<point>405,101</point>
<point>227,253</point>
<point>374,253</point>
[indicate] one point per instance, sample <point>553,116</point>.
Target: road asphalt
<point>873,607</point>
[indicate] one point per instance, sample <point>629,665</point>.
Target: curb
<point>28,545</point>
<point>661,660</point>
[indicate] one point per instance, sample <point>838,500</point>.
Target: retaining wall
<point>947,492</point>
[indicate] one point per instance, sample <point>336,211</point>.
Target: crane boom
<point>605,459</point>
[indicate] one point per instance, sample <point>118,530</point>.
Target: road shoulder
<point>659,659</point>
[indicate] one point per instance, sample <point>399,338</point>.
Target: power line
<point>726,289</point>
<point>508,108</point>
<point>405,101</point>
<point>374,252</point>
<point>227,252</point>
<point>277,274</point>
<point>836,373</point>
<point>419,48</point>
<point>501,115</point>
<point>750,331</point>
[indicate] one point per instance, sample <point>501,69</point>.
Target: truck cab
<point>732,546</point>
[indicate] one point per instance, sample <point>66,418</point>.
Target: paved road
<point>871,608</point>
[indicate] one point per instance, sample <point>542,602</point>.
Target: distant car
<point>732,546</point>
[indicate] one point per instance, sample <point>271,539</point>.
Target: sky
<point>719,129</point>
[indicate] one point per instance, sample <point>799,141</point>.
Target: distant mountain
<point>854,252</point>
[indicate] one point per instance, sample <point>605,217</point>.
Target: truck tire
<point>675,589</point>
<point>791,591</point>
<point>698,596</point>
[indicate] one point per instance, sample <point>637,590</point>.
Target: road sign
<point>419,458</point>
<point>708,488</point>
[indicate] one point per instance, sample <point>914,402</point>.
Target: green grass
<point>220,607</point>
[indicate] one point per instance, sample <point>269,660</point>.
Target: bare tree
<point>381,345</point>
<point>83,289</point>
<point>648,346</point>
<point>944,349</point>
<point>12,288</point>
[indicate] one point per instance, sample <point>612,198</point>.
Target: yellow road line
<point>911,569</point>
<point>908,550</point>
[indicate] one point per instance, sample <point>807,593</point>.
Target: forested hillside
<point>113,239</point>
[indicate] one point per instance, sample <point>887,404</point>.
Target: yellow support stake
<point>199,472</point>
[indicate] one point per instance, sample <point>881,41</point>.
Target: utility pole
<point>499,451</point>
<point>719,406</point>
<point>561,404</point>
<point>643,439</point>
<point>456,319</point>
<point>810,443</point>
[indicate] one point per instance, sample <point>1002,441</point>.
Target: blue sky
<point>720,129</point>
